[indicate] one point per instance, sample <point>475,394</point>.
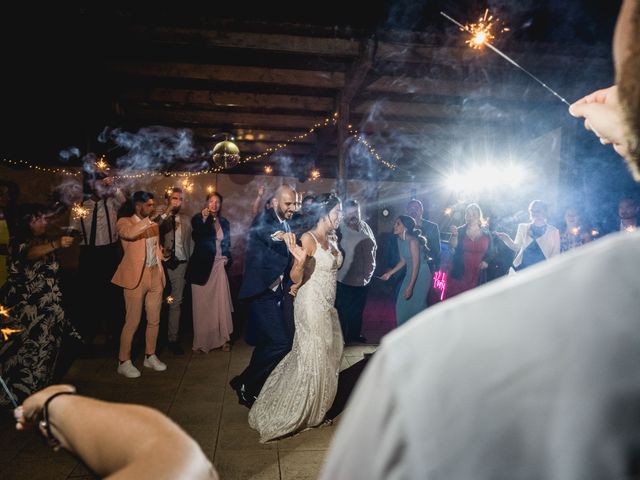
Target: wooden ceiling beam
<point>232,73</point>
<point>258,135</point>
<point>231,99</point>
<point>295,44</point>
<point>466,89</point>
<point>230,119</point>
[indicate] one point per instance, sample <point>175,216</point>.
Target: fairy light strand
<point>250,158</point>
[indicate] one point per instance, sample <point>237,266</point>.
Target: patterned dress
<point>301,389</point>
<point>32,293</point>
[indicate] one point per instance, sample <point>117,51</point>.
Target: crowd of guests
<point>137,255</point>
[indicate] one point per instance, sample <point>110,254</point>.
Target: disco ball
<point>225,155</point>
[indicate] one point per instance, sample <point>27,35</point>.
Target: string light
<point>360,139</point>
<point>102,164</point>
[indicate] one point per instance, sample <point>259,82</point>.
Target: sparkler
<point>169,300</point>
<point>187,186</point>
<point>315,174</point>
<point>79,212</point>
<point>102,165</point>
<point>481,34</point>
<point>268,169</point>
<point>210,189</point>
<point>4,311</point>
<point>7,332</point>
<point>9,394</point>
<point>448,211</point>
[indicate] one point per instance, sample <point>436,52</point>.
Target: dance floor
<point>194,392</point>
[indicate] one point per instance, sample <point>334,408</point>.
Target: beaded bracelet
<point>46,425</point>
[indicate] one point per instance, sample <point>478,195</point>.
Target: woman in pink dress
<point>212,306</point>
<point>473,248</point>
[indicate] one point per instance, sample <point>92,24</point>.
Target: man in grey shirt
<point>358,247</point>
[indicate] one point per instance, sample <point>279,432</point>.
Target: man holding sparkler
<point>175,234</point>
<point>99,253</point>
<point>517,379</point>
<point>141,276</point>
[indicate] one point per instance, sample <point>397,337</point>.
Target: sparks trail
<point>481,34</point>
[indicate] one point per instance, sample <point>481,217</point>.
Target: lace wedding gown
<point>301,389</point>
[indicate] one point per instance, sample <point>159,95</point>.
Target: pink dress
<point>212,307</point>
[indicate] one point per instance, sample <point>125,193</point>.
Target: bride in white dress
<point>301,389</point>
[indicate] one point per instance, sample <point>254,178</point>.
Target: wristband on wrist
<point>46,424</point>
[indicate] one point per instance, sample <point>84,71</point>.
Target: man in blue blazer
<point>266,269</point>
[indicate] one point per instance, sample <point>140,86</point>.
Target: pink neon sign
<point>440,282</point>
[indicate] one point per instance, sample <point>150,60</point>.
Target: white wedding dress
<point>302,387</point>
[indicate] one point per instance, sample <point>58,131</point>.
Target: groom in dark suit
<point>266,270</point>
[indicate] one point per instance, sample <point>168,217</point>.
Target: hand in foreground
<point>30,412</point>
<point>294,289</point>
<point>408,293</point>
<point>385,276</point>
<point>205,212</point>
<point>484,265</point>
<point>602,115</point>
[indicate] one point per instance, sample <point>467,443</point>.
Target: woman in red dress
<point>473,247</point>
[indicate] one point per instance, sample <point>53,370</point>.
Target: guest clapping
<point>32,296</point>
<point>535,241</point>
<point>212,307</point>
<point>412,297</point>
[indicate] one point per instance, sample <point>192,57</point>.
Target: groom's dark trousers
<point>272,338</point>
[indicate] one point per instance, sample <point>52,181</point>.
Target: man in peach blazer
<point>141,276</point>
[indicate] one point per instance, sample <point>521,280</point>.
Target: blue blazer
<point>204,249</point>
<point>266,259</point>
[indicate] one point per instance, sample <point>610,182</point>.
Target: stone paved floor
<point>194,392</point>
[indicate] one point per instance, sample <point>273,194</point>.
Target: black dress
<point>32,293</point>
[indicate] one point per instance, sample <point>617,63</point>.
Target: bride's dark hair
<point>321,206</point>
<point>410,224</point>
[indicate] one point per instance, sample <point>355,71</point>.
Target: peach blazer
<point>133,236</point>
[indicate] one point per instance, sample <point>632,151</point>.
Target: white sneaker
<point>154,362</point>
<point>128,370</point>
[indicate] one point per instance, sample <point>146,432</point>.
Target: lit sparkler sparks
<point>630,229</point>
<point>187,186</point>
<point>268,169</point>
<point>482,32</point>
<point>595,233</point>
<point>7,332</point>
<point>78,211</point>
<point>575,231</point>
<point>169,300</point>
<point>210,189</point>
<point>448,211</point>
<point>481,37</point>
<point>102,165</point>
<point>4,311</point>
<point>315,174</point>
